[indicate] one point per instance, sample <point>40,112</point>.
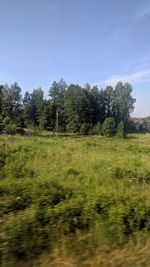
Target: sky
<point>96,41</point>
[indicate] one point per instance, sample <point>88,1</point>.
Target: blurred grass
<point>74,200</point>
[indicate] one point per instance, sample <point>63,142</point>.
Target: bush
<point>121,130</point>
<point>108,128</point>
<point>6,121</point>
<point>97,129</point>
<point>122,216</point>
<point>53,193</point>
<point>10,129</point>
<point>26,237</point>
<point>13,129</point>
<point>85,128</point>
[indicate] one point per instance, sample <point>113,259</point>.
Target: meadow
<point>74,201</point>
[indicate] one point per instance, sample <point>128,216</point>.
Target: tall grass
<point>66,200</point>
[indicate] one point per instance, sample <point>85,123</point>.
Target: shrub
<point>26,237</point>
<point>6,121</point>
<point>122,216</point>
<point>108,128</point>
<point>53,193</point>
<point>121,130</point>
<point>73,126</point>
<point>10,129</point>
<point>85,128</point>
<point>97,129</point>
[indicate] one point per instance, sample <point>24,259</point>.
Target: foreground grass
<point>74,201</point>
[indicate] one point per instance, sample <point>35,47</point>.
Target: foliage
<point>10,129</point>
<point>121,130</point>
<point>68,107</point>
<point>97,129</point>
<point>71,194</point>
<point>85,128</point>
<point>108,127</point>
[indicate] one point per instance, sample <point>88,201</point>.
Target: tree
<point>121,130</point>
<point>16,103</point>
<point>57,94</point>
<point>42,121</point>
<point>123,103</point>
<point>98,105</point>
<point>6,102</point>
<point>28,110</point>
<point>108,100</point>
<point>73,108</point>
<point>37,103</point>
<point>108,128</point>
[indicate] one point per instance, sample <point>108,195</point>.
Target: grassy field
<point>74,201</point>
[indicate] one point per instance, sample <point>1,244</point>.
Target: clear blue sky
<point>95,41</point>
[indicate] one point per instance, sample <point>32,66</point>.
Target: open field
<point>74,201</point>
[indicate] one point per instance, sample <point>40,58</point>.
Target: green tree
<point>73,107</point>
<point>108,128</point>
<point>86,115</point>
<point>16,103</point>
<point>57,97</point>
<point>108,100</point>
<point>121,130</point>
<point>28,110</point>
<point>37,103</point>
<point>6,102</point>
<point>123,103</point>
<point>42,121</point>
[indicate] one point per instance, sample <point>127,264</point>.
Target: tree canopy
<point>68,108</point>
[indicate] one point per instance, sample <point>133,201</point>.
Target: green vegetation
<point>74,200</point>
<point>68,108</point>
<point>121,130</point>
<point>108,127</point>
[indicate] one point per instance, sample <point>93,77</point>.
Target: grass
<point>74,201</point>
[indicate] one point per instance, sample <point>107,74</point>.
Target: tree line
<point>68,108</point>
